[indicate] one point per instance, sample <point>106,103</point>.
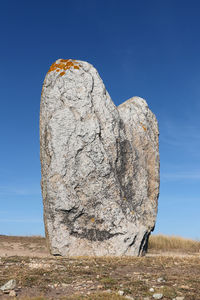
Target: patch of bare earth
<point>40,276</point>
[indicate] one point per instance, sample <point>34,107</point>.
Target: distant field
<point>157,243</point>
<point>171,268</point>
<point>173,243</point>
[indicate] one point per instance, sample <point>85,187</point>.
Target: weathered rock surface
<point>100,165</point>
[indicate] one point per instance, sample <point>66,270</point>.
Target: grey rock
<point>160,279</point>
<point>151,290</point>
<point>99,164</point>
<point>157,296</point>
<point>121,293</point>
<point>10,285</point>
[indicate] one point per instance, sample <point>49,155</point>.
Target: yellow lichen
<point>92,220</point>
<point>64,60</point>
<point>69,64</point>
<point>145,129</point>
<point>63,65</point>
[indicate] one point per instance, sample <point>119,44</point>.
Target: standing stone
<point>100,165</point>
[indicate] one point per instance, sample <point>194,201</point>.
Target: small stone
<point>151,290</point>
<point>97,276</point>
<point>161,279</point>
<point>121,293</point>
<point>157,296</point>
<point>99,286</point>
<point>185,287</point>
<point>12,294</point>
<point>10,285</point>
<point>179,298</point>
<point>146,298</point>
<point>108,291</point>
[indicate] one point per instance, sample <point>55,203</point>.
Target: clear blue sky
<point>141,48</point>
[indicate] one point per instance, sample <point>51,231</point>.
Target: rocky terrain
<point>34,274</point>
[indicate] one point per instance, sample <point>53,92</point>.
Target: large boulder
<point>100,165</point>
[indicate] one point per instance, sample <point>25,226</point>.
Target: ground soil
<point>42,276</point>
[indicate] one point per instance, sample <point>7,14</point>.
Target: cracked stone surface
<point>99,164</point>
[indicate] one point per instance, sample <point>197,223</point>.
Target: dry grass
<point>37,239</point>
<point>95,296</point>
<point>135,276</point>
<point>173,243</point>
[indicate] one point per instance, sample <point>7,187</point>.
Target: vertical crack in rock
<point>99,164</point>
<point>144,243</point>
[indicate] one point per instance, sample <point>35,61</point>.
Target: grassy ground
<point>102,278</point>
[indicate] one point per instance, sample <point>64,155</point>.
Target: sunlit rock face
<point>100,165</point>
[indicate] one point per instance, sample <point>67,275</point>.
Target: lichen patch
<point>63,65</point>
<point>145,129</point>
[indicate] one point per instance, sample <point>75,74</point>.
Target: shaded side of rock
<point>140,172</point>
